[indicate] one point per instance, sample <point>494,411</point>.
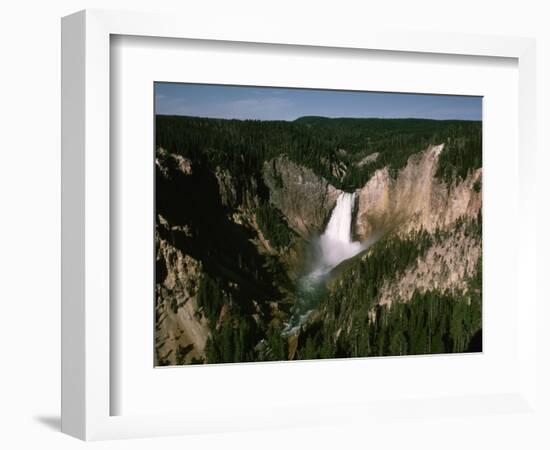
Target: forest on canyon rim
<point>248,211</point>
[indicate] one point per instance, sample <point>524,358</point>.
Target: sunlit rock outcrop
<point>415,199</point>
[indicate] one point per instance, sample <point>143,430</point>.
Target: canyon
<point>287,288</point>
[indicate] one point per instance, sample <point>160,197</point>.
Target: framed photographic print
<point>252,218</point>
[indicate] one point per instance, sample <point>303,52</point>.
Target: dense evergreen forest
<point>431,322</point>
<point>322,144</point>
<point>245,293</point>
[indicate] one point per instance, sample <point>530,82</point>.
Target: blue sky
<point>241,102</point>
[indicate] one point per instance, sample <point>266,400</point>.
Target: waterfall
<point>335,246</point>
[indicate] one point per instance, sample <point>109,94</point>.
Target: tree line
<point>242,146</point>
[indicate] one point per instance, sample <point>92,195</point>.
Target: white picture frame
<point>86,219</point>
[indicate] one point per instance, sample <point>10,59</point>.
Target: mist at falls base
<point>334,246</point>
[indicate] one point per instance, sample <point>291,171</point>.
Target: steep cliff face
<point>446,266</point>
<point>305,198</point>
<point>181,329</point>
<point>238,193</point>
<point>165,162</point>
<point>409,201</point>
<point>415,199</point>
<point>207,237</point>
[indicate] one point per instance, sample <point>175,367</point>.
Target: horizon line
<point>233,102</point>
<point>320,117</point>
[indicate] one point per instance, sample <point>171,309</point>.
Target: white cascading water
<point>335,246</point>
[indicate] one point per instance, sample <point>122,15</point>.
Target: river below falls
<point>334,246</point>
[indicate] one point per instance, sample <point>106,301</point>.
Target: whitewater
<point>335,246</point>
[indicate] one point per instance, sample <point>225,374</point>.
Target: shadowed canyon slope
<point>304,198</point>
